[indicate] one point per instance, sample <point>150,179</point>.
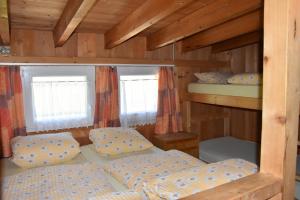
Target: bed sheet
<point>8,168</point>
<point>223,148</point>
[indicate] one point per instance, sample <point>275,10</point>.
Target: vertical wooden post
<point>187,116</point>
<point>281,91</point>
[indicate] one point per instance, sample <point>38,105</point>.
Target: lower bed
<point>123,173</point>
<point>223,148</point>
<point>88,154</point>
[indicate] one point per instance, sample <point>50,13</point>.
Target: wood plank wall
<point>40,43</point>
<point>206,120</point>
<point>246,124</point>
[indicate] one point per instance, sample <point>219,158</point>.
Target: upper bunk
<point>227,89</point>
<point>240,96</point>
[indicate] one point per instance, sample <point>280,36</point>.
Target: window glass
<point>138,98</point>
<point>58,98</point>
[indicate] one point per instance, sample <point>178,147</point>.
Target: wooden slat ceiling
<point>44,14</point>
<point>35,14</point>
<point>107,13</point>
<point>176,16</point>
<point>102,17</point>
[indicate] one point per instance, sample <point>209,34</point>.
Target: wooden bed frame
<point>223,100</point>
<point>280,107</point>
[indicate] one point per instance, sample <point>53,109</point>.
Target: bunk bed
<point>237,96</point>
<point>240,96</point>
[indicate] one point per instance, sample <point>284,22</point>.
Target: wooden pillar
<point>187,116</point>
<point>281,91</point>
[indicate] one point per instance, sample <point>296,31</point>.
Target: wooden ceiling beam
<point>143,17</point>
<point>214,13</point>
<point>73,14</point>
<point>237,42</point>
<point>4,23</point>
<point>236,27</point>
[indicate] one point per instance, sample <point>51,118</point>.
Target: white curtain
<point>58,100</point>
<point>138,95</point>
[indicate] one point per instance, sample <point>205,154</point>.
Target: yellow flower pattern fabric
<point>60,182</point>
<point>193,180</point>
<point>114,141</point>
<point>133,171</point>
<point>43,149</point>
<point>213,77</point>
<point>123,195</point>
<point>246,79</point>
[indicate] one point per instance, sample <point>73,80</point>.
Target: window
<point>138,95</point>
<point>58,97</point>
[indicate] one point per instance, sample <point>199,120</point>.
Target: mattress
<point>224,148</point>
<point>253,91</point>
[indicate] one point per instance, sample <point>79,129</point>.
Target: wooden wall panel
<point>208,121</point>
<point>69,49</point>
<point>246,124</point>
<point>32,43</point>
<point>40,43</point>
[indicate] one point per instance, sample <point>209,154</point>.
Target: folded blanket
<point>61,182</point>
<point>193,180</point>
<point>133,171</point>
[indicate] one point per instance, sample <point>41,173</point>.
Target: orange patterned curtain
<point>168,119</point>
<point>12,121</point>
<point>107,98</point>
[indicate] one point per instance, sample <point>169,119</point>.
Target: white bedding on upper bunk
<point>254,91</point>
<point>224,148</point>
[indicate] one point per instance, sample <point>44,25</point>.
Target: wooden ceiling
<point>161,21</point>
<point>44,14</point>
<point>35,14</point>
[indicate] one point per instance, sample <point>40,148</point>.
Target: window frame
<point>28,72</point>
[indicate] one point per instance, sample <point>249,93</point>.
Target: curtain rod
<point>66,61</point>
